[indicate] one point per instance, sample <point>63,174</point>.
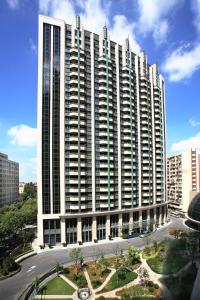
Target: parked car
<point>145,233</point>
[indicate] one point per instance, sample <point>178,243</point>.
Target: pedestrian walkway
<point>69,281</point>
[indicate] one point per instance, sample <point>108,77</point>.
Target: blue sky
<point>168,31</point>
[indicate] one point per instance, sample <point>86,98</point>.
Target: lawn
<point>139,290</point>
<point>181,286</point>
<point>169,258</point>
<point>96,276</point>
<point>57,286</point>
<point>120,278</point>
<point>75,276</point>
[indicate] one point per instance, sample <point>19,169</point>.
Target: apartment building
<point>9,180</point>
<point>21,187</point>
<point>182,180</point>
<point>101,150</point>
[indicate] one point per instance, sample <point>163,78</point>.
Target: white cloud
<point>122,29</point>
<point>193,122</point>
<point>193,142</point>
<point>32,45</point>
<point>160,32</point>
<point>13,4</point>
<point>23,135</point>
<point>182,63</point>
<point>94,14</point>
<point>154,17</point>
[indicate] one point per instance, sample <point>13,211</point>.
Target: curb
<point>10,275</point>
<point>25,256</point>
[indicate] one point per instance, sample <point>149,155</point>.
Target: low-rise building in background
<point>9,180</point>
<point>183,180</point>
<point>21,187</point>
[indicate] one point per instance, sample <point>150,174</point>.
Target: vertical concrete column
<point>94,228</point>
<point>40,230</point>
<point>148,219</point>
<point>120,223</point>
<point>155,218</point>
<point>79,230</point>
<point>107,227</point>
<point>140,219</point>
<point>130,222</point>
<point>160,216</point>
<point>63,230</point>
<point>165,219</point>
<point>163,214</point>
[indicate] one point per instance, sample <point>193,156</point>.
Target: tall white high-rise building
<point>183,181</point>
<point>101,150</point>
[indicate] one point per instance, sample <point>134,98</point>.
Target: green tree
<point>77,256</point>
<point>29,192</point>
<point>134,254</point>
<point>8,265</point>
<point>102,264</point>
<point>58,268</point>
<point>13,218</point>
<point>37,284</point>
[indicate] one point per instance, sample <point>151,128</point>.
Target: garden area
<point>161,257</point>
<point>150,289</point>
<point>132,275</point>
<point>98,271</point>
<point>104,275</point>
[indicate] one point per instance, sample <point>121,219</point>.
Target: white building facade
<point>101,150</point>
<point>182,180</point>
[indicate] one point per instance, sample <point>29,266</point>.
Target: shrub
<point>93,273</point>
<point>133,254</point>
<point>80,280</point>
<point>50,246</point>
<point>157,293</point>
<point>42,246</point>
<point>95,241</point>
<point>64,244</point>
<point>156,286</point>
<point>96,283</point>
<point>80,243</point>
<point>8,265</point>
<point>110,237</point>
<point>66,271</point>
<point>151,289</point>
<point>125,236</point>
<point>150,283</point>
<point>147,251</point>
